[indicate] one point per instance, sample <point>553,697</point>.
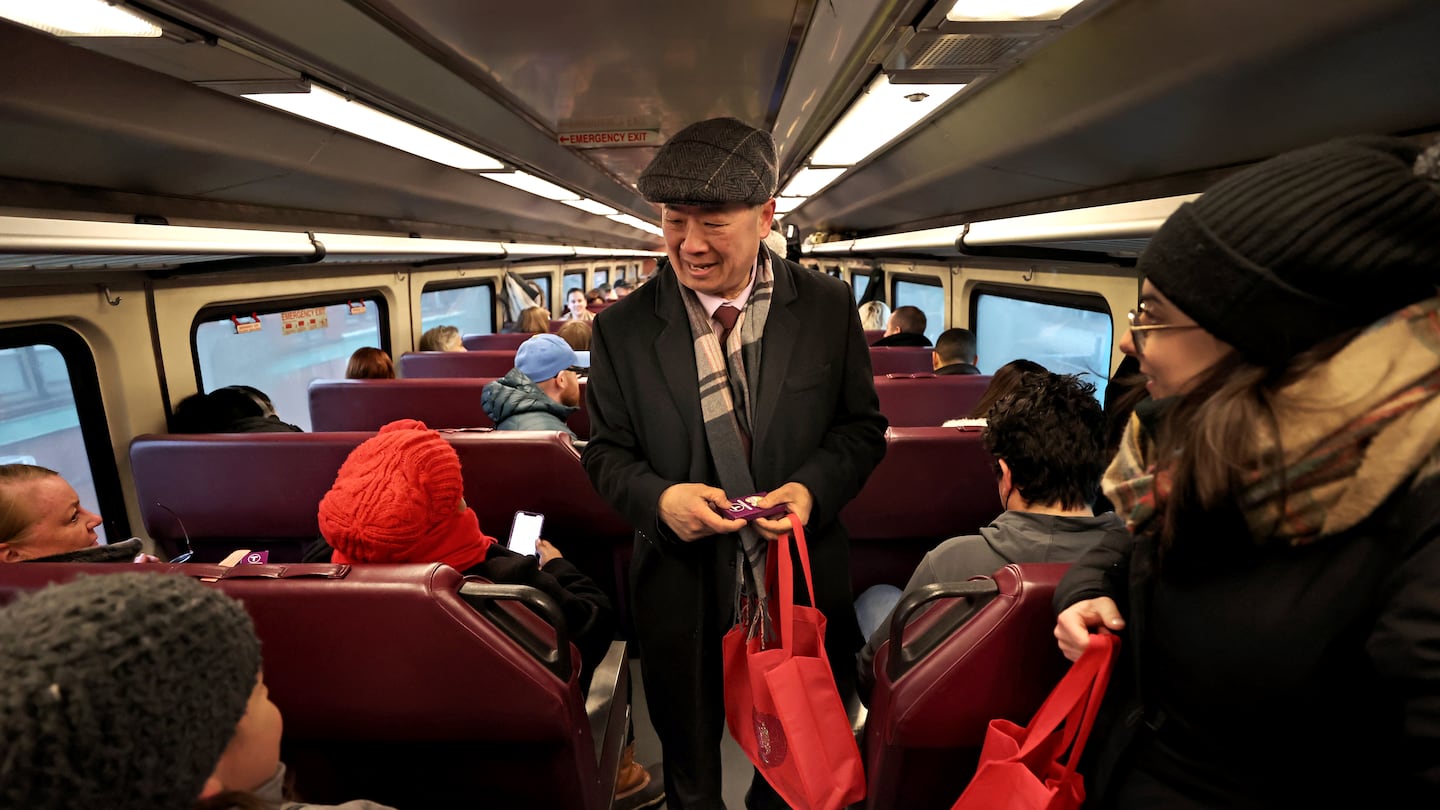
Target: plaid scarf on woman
<point>1352,431</point>
<point>728,375</point>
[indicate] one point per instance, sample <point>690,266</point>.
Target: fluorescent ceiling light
<point>808,181</point>
<point>535,185</point>
<point>784,205</point>
<point>1006,10</point>
<point>356,118</point>
<point>592,206</point>
<point>879,116</point>
<point>78,18</point>
<point>638,223</point>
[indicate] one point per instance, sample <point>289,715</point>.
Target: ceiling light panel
<point>333,109</point>
<point>536,186</point>
<point>784,205</point>
<point>638,223</point>
<point>1009,10</point>
<point>879,116</point>
<point>78,18</point>
<point>592,207</point>
<point>808,181</point>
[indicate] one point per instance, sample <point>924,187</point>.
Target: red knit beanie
<point>397,499</point>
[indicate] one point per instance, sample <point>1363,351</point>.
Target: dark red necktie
<point>726,315</point>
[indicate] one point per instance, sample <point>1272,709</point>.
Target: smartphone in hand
<point>524,532</point>
<point>747,508</point>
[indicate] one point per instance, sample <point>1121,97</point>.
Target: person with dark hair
<point>232,409</point>
<point>443,338</point>
<point>687,412</point>
<point>905,328</point>
<point>1047,435</point>
<point>534,321</point>
<point>576,306</point>
<point>137,691</point>
<point>370,363</point>
<point>623,288</point>
<point>1005,380</point>
<point>955,353</point>
<point>1281,487</point>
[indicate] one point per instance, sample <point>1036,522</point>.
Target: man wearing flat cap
<point>733,372</point>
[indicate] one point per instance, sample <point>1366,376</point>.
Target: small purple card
<point>256,558</point>
<point>747,508</point>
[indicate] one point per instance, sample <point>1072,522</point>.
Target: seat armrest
<point>608,707</point>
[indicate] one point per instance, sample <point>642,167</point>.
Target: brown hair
<point>13,519</point>
<point>370,363</point>
<point>534,320</point>
<point>435,340</point>
<point>577,334</point>
<point>1005,380</point>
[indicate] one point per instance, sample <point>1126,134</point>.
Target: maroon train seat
<point>439,403</point>
<point>262,491</point>
<point>986,650</point>
<point>556,323</point>
<point>925,400</point>
<point>499,341</point>
<point>412,686</point>
<point>872,335</point>
<point>368,404</point>
<point>933,483</point>
<point>483,363</point>
<point>900,360</point>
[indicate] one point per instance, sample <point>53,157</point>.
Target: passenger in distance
<point>137,692</point>
<point>1005,380</point>
<point>534,321</point>
<point>577,334</point>
<point>441,339</point>
<point>541,391</point>
<point>874,315</point>
<point>370,363</point>
<point>623,288</point>
<point>906,327</point>
<point>232,409</point>
<point>955,353</point>
<point>1048,439</point>
<point>1280,601</point>
<point>575,306</point>
<point>41,520</point>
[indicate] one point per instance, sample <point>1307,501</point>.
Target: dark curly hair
<point>1051,431</point>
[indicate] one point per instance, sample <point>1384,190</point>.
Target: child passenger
<point>136,692</point>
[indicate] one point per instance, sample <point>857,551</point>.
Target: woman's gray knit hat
<point>120,691</point>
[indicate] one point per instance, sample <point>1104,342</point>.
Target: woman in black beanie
<point>1280,599</point>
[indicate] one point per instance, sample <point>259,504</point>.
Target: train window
<point>573,281</point>
<point>542,280</point>
<point>859,283</point>
<point>51,414</point>
<point>468,307</point>
<point>1067,333</point>
<point>926,293</point>
<point>296,342</point>
<point>602,276</point>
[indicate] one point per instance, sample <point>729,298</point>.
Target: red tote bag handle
<point>785,569</point>
<point>1075,701</point>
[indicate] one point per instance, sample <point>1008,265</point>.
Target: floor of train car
<point>738,770</point>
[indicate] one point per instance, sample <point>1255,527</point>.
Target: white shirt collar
<point>713,302</point>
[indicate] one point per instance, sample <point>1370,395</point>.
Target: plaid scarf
<point>1353,430</point>
<point>727,376</point>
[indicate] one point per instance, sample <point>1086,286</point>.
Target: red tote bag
<point>781,702</point>
<point>1020,766</point>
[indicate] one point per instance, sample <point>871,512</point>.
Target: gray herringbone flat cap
<point>718,161</point>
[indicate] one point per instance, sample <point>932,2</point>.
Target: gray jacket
<point>1013,537</point>
<point>515,403</point>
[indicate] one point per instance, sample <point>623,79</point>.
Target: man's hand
<point>1073,626</point>
<point>796,498</point>
<point>689,511</point>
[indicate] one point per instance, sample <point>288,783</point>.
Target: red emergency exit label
<point>303,320</point>
<point>610,138</point>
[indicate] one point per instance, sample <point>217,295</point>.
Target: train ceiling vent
<point>965,41</point>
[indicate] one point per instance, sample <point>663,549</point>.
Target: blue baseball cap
<point>542,357</point>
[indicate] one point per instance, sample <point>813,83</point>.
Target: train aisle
<point>738,769</point>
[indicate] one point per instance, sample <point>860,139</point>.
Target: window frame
<point>442,285</point>
<point>1070,299</point>
<point>548,288</point>
<point>84,376</point>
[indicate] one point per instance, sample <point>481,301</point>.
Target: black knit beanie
<point>120,691</point>
<point>1286,253</point>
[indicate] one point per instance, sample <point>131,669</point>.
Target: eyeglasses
<point>1138,331</point>
<point>189,549</point>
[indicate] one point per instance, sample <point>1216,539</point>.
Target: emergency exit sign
<point>610,138</point>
